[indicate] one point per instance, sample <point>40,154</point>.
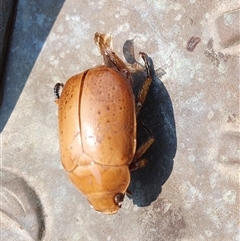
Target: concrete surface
<point>53,41</point>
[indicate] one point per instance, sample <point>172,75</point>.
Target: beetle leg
<point>129,193</point>
<point>143,92</point>
<point>142,95</point>
<point>104,43</point>
<point>137,162</point>
<point>142,149</point>
<point>56,91</point>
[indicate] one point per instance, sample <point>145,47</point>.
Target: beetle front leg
<point>143,92</point>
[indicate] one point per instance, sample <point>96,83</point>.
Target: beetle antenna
<point>56,90</point>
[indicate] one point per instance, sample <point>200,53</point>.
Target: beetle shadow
<point>24,47</point>
<point>157,115</point>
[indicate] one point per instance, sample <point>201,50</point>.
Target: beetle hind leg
<point>144,90</point>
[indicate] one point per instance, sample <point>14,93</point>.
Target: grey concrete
<point>52,42</point>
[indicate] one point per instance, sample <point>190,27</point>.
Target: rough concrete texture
<point>53,41</point>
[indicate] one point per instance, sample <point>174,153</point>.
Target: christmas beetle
<point>97,116</point>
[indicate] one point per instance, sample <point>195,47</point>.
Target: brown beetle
<point>97,128</point>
